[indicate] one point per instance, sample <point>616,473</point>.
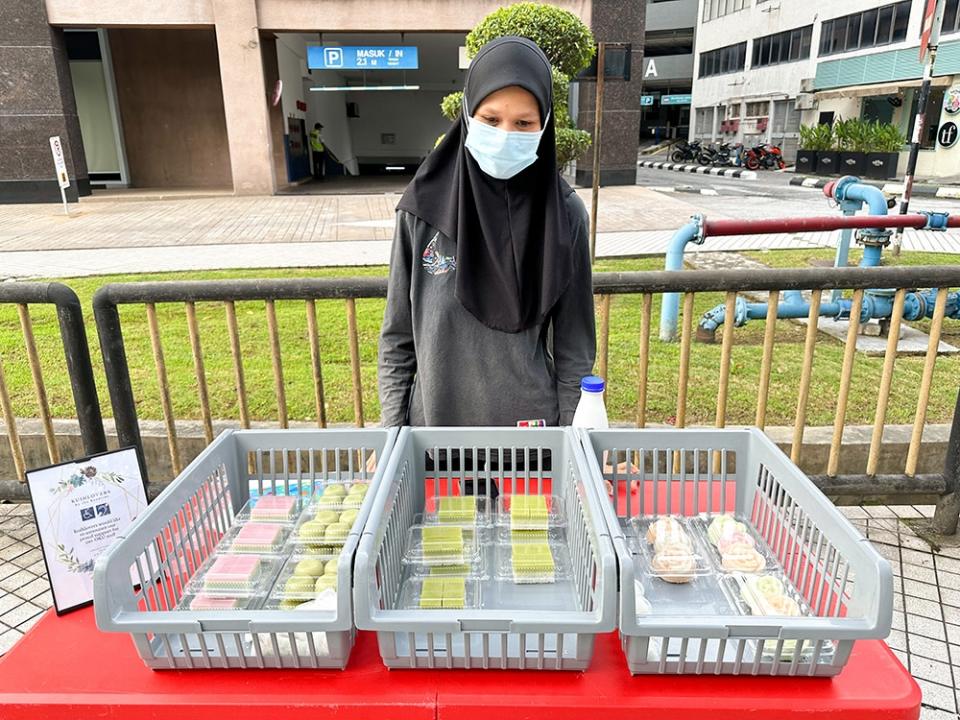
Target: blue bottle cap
<point>592,383</point>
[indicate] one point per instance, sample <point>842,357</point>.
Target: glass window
<point>839,35</point>
<point>884,25</point>
<point>853,33</point>
<point>826,31</point>
<point>786,46</point>
<point>900,22</point>
<point>868,29</point>
<point>951,16</point>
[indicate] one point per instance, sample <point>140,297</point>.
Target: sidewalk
<point>111,235</point>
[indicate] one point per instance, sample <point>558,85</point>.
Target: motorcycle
<point>686,151</point>
<point>719,155</point>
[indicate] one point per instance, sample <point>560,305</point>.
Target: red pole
<point>719,228</point>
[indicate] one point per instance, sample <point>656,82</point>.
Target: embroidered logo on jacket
<point>434,262</point>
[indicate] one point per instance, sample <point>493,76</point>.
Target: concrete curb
<point>699,169</point>
<point>938,191</point>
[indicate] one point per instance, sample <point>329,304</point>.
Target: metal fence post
<point>947,514</point>
<point>107,318</point>
<point>77,353</point>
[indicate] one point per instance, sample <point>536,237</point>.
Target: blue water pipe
<point>692,232</point>
<point>851,195</point>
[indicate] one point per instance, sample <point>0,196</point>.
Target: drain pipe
<point>692,232</point>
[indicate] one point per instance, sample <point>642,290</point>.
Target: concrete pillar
<point>245,96</point>
<point>36,102</point>
<point>615,21</point>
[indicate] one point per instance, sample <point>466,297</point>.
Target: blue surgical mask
<point>499,153</point>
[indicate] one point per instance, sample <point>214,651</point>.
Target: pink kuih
<point>212,602</point>
<point>274,507</point>
<point>232,572</point>
<point>258,538</point>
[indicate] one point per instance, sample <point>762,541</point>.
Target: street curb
<point>938,191</point>
<point>699,169</point>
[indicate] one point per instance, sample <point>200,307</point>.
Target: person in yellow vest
<point>320,152</point>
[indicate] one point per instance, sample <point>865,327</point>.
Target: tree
<point>565,40</point>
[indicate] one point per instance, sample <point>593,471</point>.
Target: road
<point>770,195</point>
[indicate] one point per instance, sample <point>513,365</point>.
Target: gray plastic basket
<point>835,573</point>
<point>529,461</point>
<point>165,546</point>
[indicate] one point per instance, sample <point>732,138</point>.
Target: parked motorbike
<point>764,156</point>
<point>719,155</point>
<point>686,151</point>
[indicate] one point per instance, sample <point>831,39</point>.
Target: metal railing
<point>607,286</point>
<point>77,354</point>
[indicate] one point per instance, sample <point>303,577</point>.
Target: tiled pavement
<point>926,620</point>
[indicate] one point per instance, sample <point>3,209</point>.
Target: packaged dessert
<point>463,510</point>
<point>475,568</point>
<point>768,594</point>
<point>505,534</point>
<point>255,538</point>
<point>530,512</point>
<point>226,575</point>
<point>441,545</point>
<point>672,551</point>
<point>322,531</point>
<point>440,593</point>
<point>700,596</point>
<point>303,577</point>
<point>525,563</point>
<point>270,509</point>
<point>732,544</point>
<point>339,496</point>
<point>207,602</point>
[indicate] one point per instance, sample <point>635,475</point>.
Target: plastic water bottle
<point>591,412</point>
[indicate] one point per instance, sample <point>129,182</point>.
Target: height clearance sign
<point>362,58</point>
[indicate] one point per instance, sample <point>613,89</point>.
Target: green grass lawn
<point>623,379</point>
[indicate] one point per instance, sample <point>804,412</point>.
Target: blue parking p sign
<point>362,58</point>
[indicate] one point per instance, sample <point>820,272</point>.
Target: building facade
<point>667,69</point>
<point>766,66</point>
<point>223,93</point>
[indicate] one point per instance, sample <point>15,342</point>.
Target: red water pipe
<point>720,228</point>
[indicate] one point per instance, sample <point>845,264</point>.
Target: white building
<point>765,66</point>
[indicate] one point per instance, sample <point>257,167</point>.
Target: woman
<point>489,317</point>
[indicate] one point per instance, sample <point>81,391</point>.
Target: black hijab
<point>514,245</point>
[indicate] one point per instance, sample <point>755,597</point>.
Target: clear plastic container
<point>225,575</point>
<point>533,563</point>
<point>441,545</point>
<point>476,568</point>
<point>701,595</point>
<point>768,595</point>
<point>271,509</point>
<point>201,602</point>
<point>671,549</point>
<point>505,535</point>
<point>733,545</point>
<point>320,531</point>
<point>255,539</point>
<point>303,578</point>
<point>440,593</point>
<point>462,510</point>
<point>530,512</point>
<point>340,496</point>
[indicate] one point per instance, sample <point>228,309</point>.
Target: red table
<point>65,668</point>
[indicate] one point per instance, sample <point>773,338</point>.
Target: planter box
<point>881,166</point>
<point>828,162</point>
<point>852,163</point>
<point>806,161</point>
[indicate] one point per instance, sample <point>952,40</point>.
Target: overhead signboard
<point>676,99</point>
<point>365,57</point>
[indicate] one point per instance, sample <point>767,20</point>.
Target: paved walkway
<point>157,233</point>
<point>926,618</point>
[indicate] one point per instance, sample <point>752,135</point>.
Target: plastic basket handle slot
<point>486,625</point>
